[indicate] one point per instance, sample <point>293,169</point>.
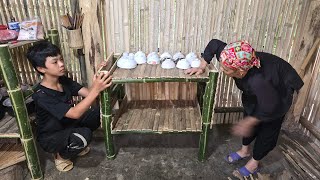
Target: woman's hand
<point>199,70</point>
<point>196,71</point>
<point>244,127</point>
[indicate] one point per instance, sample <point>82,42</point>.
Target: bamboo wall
<point>169,25</point>
<point>311,111</point>
<point>49,12</point>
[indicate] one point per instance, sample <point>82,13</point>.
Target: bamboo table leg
<point>106,122</point>
<point>207,113</point>
<point>22,118</point>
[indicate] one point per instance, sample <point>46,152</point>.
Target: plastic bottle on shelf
<point>14,25</point>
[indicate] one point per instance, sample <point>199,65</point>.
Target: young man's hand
<point>101,65</point>
<point>101,81</point>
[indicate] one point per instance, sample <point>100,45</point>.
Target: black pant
<point>266,135</point>
<point>75,138</point>
<point>81,133</point>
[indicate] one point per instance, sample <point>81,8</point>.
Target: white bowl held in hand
<point>127,62</point>
<point>195,63</point>
<point>168,64</point>
<point>177,56</point>
<point>183,64</point>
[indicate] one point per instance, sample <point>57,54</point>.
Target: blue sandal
<point>235,157</point>
<point>245,172</point>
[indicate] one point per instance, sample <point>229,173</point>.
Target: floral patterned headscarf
<point>239,55</point>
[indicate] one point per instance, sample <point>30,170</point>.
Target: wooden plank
<point>157,118</point>
<point>11,154</point>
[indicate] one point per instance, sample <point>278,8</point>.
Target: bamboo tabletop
<point>154,73</point>
<point>159,117</point>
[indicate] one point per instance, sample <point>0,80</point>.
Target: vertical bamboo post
<point>53,36</point>
<point>22,118</point>
<point>105,101</point>
<point>207,113</point>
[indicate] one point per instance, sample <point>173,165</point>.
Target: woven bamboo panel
<point>169,25</point>
<point>8,127</point>
<point>158,117</point>
<point>10,154</point>
<point>48,12</point>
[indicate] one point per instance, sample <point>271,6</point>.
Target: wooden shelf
<point>8,127</point>
<point>154,73</point>
<point>158,117</point>
<point>10,154</point>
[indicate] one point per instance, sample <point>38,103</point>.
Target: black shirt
<point>52,105</point>
<point>266,91</point>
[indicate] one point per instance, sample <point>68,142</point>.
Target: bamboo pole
<point>16,96</point>
<point>105,101</point>
<point>208,99</point>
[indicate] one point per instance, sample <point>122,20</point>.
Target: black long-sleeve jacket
<point>267,91</point>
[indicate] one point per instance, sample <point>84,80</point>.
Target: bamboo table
<point>157,116</point>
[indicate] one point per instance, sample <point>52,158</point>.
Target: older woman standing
<point>267,83</point>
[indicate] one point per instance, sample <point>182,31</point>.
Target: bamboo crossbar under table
<point>130,122</point>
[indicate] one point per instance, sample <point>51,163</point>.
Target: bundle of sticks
<point>72,22</point>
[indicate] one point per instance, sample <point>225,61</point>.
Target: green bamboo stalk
<point>151,80</point>
<point>19,107</point>
<point>105,101</point>
<point>207,113</point>
<point>53,36</point>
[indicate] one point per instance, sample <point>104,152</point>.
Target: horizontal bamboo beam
<point>152,80</point>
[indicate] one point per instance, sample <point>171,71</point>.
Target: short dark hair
<point>38,53</point>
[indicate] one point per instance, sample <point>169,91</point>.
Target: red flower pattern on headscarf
<point>239,55</point>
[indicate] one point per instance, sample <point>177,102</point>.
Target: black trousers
<point>75,138</point>
<point>266,135</point>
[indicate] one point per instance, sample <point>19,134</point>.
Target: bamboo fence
<point>169,25</point>
<point>48,11</point>
<point>311,111</point>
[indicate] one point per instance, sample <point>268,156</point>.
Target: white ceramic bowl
<point>140,57</point>
<point>165,55</point>
<point>152,54</point>
<point>177,56</point>
<point>153,58</point>
<point>195,63</point>
<point>127,63</point>
<point>125,54</point>
<point>191,56</point>
<point>183,64</point>
<point>168,64</point>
